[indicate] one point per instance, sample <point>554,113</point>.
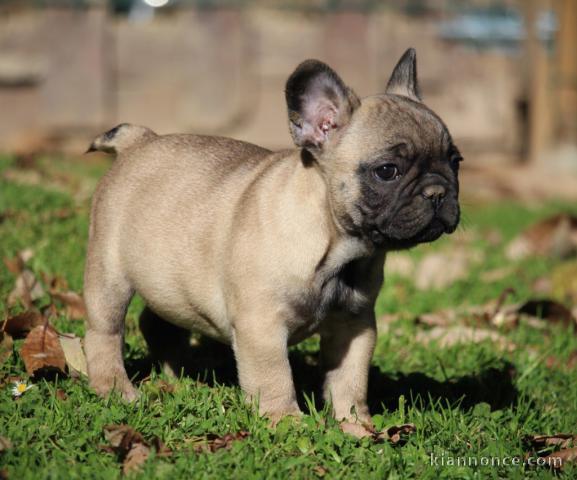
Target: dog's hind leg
<point>167,343</point>
<point>107,294</point>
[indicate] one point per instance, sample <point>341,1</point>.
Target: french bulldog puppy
<point>262,249</point>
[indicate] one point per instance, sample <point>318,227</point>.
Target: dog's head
<point>389,161</point>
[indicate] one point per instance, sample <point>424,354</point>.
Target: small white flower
<point>19,388</point>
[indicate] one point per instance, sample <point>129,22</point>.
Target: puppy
<point>262,249</point>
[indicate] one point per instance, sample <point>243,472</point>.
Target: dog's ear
<point>319,104</point>
<point>403,80</point>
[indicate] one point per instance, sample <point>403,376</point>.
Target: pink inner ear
<point>320,122</point>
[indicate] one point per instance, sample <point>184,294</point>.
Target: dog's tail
<point>120,138</point>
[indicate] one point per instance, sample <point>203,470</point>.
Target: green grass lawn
<point>468,400</point>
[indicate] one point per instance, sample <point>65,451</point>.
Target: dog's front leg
<point>347,345</point>
<point>261,351</point>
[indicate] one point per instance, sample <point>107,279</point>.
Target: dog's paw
<point>115,383</point>
<point>275,417</point>
<point>359,430</point>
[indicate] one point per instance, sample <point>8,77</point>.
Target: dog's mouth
<point>431,232</point>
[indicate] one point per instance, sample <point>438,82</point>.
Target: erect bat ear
<point>319,104</point>
<point>403,80</point>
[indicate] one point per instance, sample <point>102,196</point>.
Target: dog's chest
<point>349,289</point>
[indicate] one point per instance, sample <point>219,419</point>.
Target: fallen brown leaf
<point>558,459</point>
<point>10,379</point>
<point>457,334</point>
<point>27,289</point>
<point>542,286</point>
<point>19,326</point>
<point>400,264</point>
<point>165,387</point>
<point>537,313</point>
<point>494,237</point>
<point>131,447</point>
<point>385,321</point>
<point>555,237</point>
<point>396,434</point>
<point>541,445</point>
<point>6,346</point>
<point>5,444</point>
<point>440,269</point>
<point>213,442</point>
<point>320,471</point>
<point>549,310</point>
<point>561,440</point>
<point>61,395</point>
<point>54,282</point>
<point>16,265</point>
<point>440,318</point>
<point>42,352</point>
<point>74,355</point>
<point>497,274</point>
<point>74,303</point>
<point>136,456</point>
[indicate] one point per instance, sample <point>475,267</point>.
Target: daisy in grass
<point>19,388</point>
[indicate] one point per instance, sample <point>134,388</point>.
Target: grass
<point>470,400</point>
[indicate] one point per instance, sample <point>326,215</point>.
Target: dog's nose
<point>435,193</point>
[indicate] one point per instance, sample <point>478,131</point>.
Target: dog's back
<point>159,190</point>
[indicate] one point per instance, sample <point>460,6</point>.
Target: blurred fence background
<point>502,74</point>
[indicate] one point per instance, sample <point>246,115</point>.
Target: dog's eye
<point>387,172</point>
<point>455,160</point>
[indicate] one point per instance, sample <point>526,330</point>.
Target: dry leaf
<point>549,310</point>
<point>537,313</point>
<point>27,289</point>
<point>42,352</point>
<point>457,334</point>
<point>555,237</point>
<point>55,283</point>
<point>75,307</point>
<point>131,447</point>
<point>440,269</point>
<point>19,326</point>
<point>558,459</point>
<point>497,274</point>
<point>9,380</point>
<point>320,471</point>
<point>561,440</point>
<point>397,434</point>
<point>136,456</point>
<point>542,286</point>
<point>213,442</point>
<point>61,395</point>
<point>5,444</point>
<point>441,318</point>
<point>493,237</point>
<point>165,387</point>
<point>565,442</point>
<point>385,321</point>
<point>74,355</point>
<point>399,264</point>
<point>6,346</point>
<point>16,265</point>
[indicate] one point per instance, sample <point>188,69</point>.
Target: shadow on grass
<point>213,363</point>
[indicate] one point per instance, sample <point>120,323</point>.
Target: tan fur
<point>179,220</point>
<point>244,245</point>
